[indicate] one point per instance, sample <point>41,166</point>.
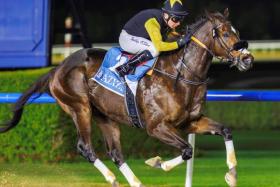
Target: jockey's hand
<point>184,40</point>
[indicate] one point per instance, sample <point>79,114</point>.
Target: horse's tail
<point>38,88</point>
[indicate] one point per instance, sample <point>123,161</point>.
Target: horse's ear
<point>208,15</point>
<point>226,13</point>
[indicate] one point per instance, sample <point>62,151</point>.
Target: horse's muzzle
<point>244,62</point>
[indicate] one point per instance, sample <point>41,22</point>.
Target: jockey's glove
<point>184,40</point>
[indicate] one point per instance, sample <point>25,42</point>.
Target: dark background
<point>256,20</point>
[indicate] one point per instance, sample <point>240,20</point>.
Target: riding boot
<point>130,66</point>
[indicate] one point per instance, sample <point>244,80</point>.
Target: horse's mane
<point>194,26</point>
<point>202,19</point>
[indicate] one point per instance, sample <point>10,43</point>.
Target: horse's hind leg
<point>78,107</point>
<point>111,134</point>
<point>82,116</point>
<point>208,126</point>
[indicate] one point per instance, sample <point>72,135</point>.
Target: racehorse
<point>170,101</point>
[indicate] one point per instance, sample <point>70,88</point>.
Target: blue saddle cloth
<point>108,78</point>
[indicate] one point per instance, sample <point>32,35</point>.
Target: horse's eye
<point>226,34</point>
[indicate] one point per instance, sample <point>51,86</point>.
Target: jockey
<point>143,34</point>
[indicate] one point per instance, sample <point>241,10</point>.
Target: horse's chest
<point>160,102</point>
<point>191,103</point>
<point>167,106</point>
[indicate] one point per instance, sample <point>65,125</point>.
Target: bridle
<point>215,32</point>
<point>216,36</point>
<point>240,45</point>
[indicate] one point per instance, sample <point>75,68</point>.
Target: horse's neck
<point>168,61</point>
<point>196,57</point>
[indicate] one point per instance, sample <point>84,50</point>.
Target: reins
<point>181,61</point>
<point>176,77</point>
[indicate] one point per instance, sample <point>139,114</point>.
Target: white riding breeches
<point>135,45</point>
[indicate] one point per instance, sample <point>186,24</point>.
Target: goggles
<point>176,19</point>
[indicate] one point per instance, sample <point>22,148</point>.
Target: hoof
<point>115,184</point>
<point>154,162</point>
<point>231,178</point>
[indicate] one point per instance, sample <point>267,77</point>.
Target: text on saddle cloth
<point>109,78</point>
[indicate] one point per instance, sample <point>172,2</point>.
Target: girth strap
<point>132,108</point>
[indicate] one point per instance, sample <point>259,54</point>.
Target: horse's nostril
<point>247,59</point>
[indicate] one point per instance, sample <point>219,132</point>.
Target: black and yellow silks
<point>149,24</point>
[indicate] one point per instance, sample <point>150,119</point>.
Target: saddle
<point>109,78</point>
<point>126,86</point>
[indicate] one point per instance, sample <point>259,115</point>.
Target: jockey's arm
<point>153,29</point>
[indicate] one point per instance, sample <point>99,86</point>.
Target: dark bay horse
<point>165,109</point>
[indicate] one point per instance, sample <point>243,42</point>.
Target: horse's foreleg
<point>157,162</point>
<point>111,134</point>
<point>208,126</point>
<point>170,136</point>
